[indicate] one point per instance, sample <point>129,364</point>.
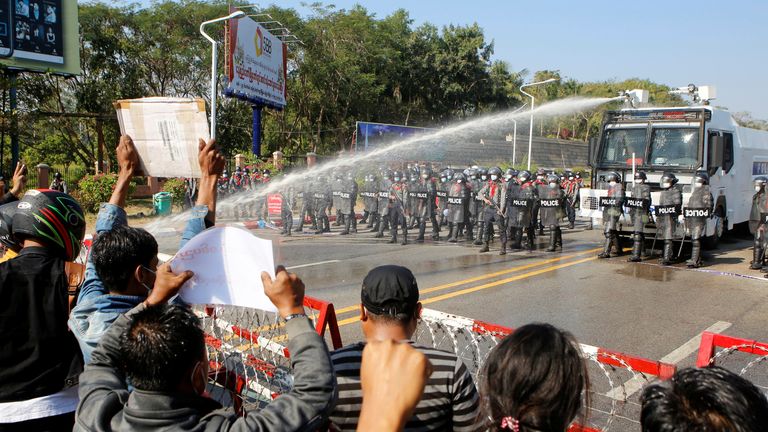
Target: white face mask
<point>639,181</point>
<point>485,177</point>
<point>494,177</point>
<point>553,185</point>
<point>696,185</point>
<point>666,185</point>
<point>424,176</point>
<point>508,177</point>
<point>459,181</point>
<point>443,179</point>
<point>612,183</point>
<point>758,188</point>
<point>397,179</point>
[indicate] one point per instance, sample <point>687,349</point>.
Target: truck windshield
<point>674,147</point>
<point>619,144</point>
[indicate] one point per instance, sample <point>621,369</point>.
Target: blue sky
<point>707,42</point>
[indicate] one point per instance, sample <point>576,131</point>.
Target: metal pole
<point>514,142</point>
<point>14,122</point>
<point>533,102</point>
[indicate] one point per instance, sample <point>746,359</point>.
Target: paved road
<point>639,308</point>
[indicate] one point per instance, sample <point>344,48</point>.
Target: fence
<point>742,356</point>
<point>70,173</point>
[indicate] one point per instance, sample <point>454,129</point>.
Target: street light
<point>514,134</point>
<point>533,102</point>
<point>214,54</point>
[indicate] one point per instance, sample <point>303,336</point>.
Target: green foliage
<point>177,189</point>
<point>96,189</point>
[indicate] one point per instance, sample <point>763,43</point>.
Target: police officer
<point>571,188</point>
<point>552,210</point>
<point>307,204</point>
<point>288,195</point>
<point>322,200</point>
<point>476,204</point>
<point>758,217</point>
<point>612,210</point>
<point>413,184</point>
<point>520,213</point>
<point>384,206</point>
<point>699,209</point>
<point>430,186</point>
<point>398,197</point>
<point>458,206</point>
<point>667,213</point>
<point>639,213</point>
<point>337,186</point>
<point>442,198</point>
<point>369,193</point>
<point>541,187</point>
<point>494,195</point>
<point>420,208</point>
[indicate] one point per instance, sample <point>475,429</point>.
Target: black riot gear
<point>639,207</point>
<point>697,211</point>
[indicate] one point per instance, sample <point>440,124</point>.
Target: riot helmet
<point>449,174</point>
<point>553,180</point>
<point>760,183</point>
<point>668,180</point>
<point>494,173</point>
<point>483,174</point>
<point>701,178</point>
<point>57,176</point>
<point>459,178</point>
<point>640,177</point>
<point>524,176</point>
<point>397,176</point>
<point>613,176</point>
<point>510,173</point>
<point>473,174</point>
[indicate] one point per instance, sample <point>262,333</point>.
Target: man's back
<point>450,400</point>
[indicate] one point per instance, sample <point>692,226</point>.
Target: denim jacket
<point>96,308</point>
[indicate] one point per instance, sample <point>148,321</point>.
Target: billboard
<point>257,63</point>
<point>44,35</point>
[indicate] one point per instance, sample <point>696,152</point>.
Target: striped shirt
<point>449,402</point>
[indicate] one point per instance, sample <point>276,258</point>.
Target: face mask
<point>459,181</point>
<point>553,185</point>
<point>424,176</point>
<point>473,177</point>
<point>697,185</point>
<point>484,177</point>
<point>508,177</point>
<point>443,179</point>
<point>639,181</point>
<point>494,177</point>
<point>758,188</point>
<point>612,183</point>
<point>397,179</point>
<point>147,287</point>
<point>666,185</point>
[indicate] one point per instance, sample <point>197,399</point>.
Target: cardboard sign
<point>227,262</point>
<point>166,133</point>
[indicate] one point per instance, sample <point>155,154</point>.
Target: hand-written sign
<point>550,202</point>
<point>637,203</point>
<point>662,210</point>
<point>227,262</point>
<point>690,212</point>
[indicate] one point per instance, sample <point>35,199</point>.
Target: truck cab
<point>683,141</point>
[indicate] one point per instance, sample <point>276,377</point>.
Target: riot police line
<point>472,205</point>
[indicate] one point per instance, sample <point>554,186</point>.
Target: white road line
<point>164,257</point>
<point>680,353</point>
<point>311,264</point>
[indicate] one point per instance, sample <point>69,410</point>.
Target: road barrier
<point>746,357</point>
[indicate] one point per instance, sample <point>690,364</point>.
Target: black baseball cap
<point>390,290</point>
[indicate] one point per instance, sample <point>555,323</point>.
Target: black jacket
<point>106,404</point>
<point>39,356</point>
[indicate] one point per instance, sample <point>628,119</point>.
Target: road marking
<point>483,277</point>
<point>311,264</point>
<point>485,286</point>
<point>164,257</point>
<point>679,354</point>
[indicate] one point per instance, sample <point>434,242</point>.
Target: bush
<point>96,189</point>
<point>177,189</point>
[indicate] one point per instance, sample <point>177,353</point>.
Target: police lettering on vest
<point>550,203</point>
<point>696,212</point>
<point>666,210</point>
<point>609,202</point>
<point>637,203</point>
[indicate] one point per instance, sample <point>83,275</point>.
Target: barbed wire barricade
<point>745,357</point>
<point>615,378</point>
<point>247,351</point>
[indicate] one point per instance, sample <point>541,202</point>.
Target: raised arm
<point>128,163</point>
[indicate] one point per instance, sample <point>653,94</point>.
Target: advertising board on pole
<point>257,64</point>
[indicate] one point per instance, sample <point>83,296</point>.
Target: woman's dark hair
<point>537,376</point>
<point>708,399</point>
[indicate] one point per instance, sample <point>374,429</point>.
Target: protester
<point>160,350</point>
<point>39,358</point>
<point>123,260</point>
<point>390,310</point>
<point>533,381</point>
<point>707,399</point>
<point>391,368</point>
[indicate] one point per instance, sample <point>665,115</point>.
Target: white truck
<point>682,141</point>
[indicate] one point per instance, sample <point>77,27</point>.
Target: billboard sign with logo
<point>256,64</point>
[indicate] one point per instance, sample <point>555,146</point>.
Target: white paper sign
<point>166,133</point>
<point>227,262</point>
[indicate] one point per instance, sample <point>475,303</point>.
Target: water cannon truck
<point>681,140</point>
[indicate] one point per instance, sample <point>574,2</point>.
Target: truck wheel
<point>721,224</point>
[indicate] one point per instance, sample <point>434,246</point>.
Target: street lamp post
<point>533,103</point>
<point>214,61</point>
<point>514,133</point>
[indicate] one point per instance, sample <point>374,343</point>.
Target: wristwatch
<point>292,316</point>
